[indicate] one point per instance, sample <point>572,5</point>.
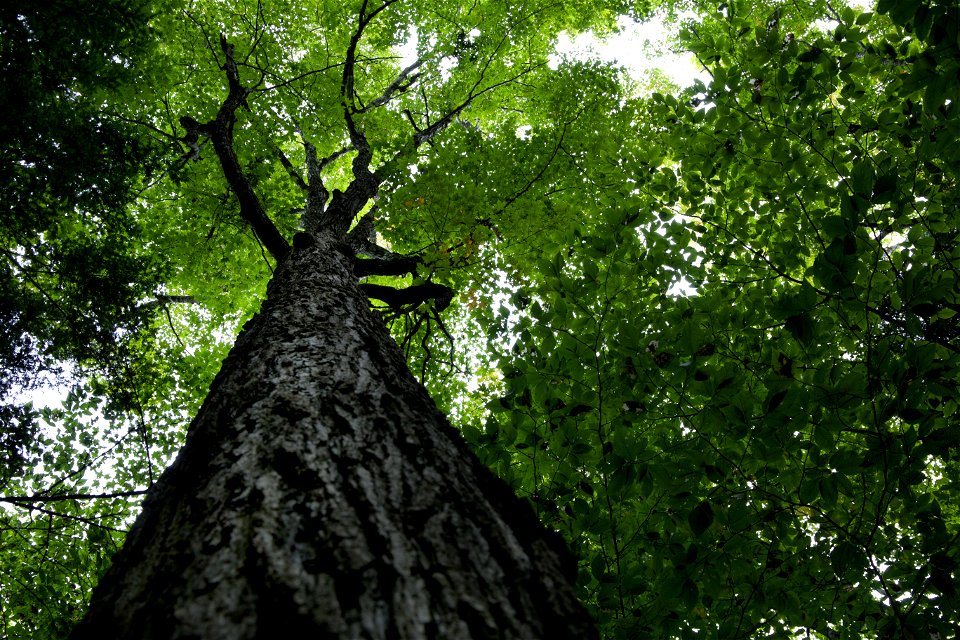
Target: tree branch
<point>317,194</point>
<point>345,205</point>
<point>411,296</point>
<point>220,132</point>
<point>488,221</point>
<point>364,232</point>
<point>398,266</point>
<point>403,82</point>
<point>164,300</point>
<point>291,170</point>
<point>444,122</point>
<point>421,136</point>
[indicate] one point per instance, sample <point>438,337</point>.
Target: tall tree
<point>319,489</point>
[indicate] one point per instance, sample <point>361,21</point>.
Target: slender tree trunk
<point>321,492</point>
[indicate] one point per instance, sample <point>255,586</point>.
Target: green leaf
<point>689,593</point>
<point>775,399</point>
<point>700,518</point>
<point>809,491</point>
<point>828,491</point>
<point>824,436</point>
<point>801,327</point>
<point>846,559</point>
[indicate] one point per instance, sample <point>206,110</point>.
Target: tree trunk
<point>321,492</point>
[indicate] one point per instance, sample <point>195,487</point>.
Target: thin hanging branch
<point>290,169</point>
<point>424,135</point>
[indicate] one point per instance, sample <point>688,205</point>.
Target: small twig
<point>19,500</point>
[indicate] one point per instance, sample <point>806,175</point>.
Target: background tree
<point>67,178</point>
<point>73,274</point>
<point>744,415</point>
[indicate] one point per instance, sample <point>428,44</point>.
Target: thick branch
<point>362,239</point>
<point>411,296</point>
<point>317,193</point>
<point>361,164</point>
<point>345,205</point>
<point>399,266</point>
<point>363,233</point>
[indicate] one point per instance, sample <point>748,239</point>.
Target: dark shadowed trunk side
<point>320,491</point>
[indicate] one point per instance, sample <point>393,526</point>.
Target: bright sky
<point>640,48</point>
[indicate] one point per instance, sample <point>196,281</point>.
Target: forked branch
<point>220,132</point>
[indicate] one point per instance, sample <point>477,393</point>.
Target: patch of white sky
<point>641,48</point>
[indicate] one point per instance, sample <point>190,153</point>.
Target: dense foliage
<point>67,175</point>
<point>773,448</point>
<point>709,331</point>
<point>74,274</point>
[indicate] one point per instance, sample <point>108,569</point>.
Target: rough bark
<point>320,492</point>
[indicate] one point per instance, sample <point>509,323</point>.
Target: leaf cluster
<point>772,444</point>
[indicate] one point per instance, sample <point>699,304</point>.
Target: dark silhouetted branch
<point>411,296</point>
<point>27,501</point>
